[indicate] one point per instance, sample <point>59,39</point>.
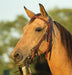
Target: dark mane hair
<point>66,39</point>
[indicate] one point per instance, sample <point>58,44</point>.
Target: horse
<point>42,35</point>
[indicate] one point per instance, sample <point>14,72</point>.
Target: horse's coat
<point>60,62</point>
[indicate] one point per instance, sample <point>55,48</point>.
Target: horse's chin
<point>22,67</point>
<point>20,64</point>
<point>23,63</point>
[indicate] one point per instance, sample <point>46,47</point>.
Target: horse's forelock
<point>32,19</point>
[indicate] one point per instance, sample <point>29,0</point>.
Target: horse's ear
<point>42,10</point>
<point>29,13</point>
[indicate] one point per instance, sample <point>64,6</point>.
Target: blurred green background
<point>11,32</point>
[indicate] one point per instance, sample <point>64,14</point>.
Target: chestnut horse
<point>43,35</point>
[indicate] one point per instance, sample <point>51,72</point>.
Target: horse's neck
<point>59,63</point>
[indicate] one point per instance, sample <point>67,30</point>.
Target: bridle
<point>47,35</point>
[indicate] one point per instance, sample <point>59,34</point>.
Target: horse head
<point>34,39</point>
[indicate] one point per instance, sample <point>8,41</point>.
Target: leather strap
<point>46,35</point>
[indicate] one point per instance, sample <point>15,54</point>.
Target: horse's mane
<point>66,39</point>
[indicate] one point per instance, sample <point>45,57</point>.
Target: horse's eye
<point>38,29</point>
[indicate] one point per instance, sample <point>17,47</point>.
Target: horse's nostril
<point>18,56</point>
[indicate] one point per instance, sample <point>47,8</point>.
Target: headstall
<point>46,35</point>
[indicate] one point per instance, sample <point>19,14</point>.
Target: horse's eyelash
<point>38,29</point>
